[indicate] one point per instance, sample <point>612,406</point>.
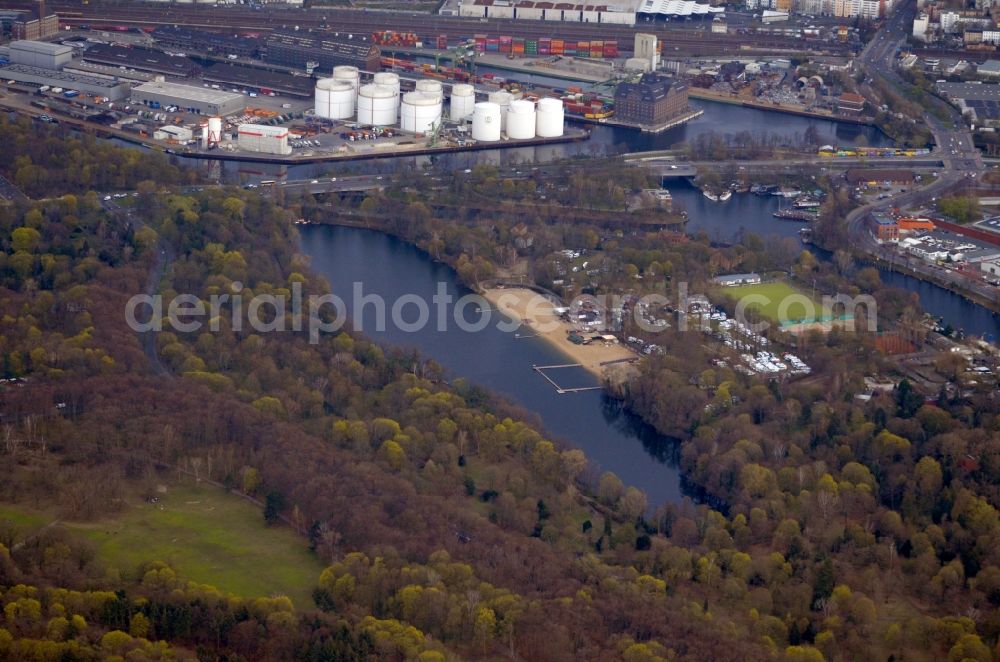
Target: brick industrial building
<point>654,100</point>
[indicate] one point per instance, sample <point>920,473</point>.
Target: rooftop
<point>650,87</point>
<point>970,91</point>
<point>63,78</point>
<point>677,8</point>
<point>139,58</point>
<point>737,278</point>
<point>189,92</point>
<point>41,47</point>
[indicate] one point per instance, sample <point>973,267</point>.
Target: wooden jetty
<point>540,369</point>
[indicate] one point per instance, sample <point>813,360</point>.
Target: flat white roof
<point>262,130</point>
<point>189,92</point>
<point>677,8</point>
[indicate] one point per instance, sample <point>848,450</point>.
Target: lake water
<point>612,438</point>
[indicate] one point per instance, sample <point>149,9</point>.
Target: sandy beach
<point>538,315</point>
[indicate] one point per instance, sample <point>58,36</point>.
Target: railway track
<point>426,26</point>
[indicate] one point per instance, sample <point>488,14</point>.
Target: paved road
<point>961,161</point>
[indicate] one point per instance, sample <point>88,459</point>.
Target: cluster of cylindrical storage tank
<point>420,111</point>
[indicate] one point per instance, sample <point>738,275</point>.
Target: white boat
<point>725,196</point>
<point>710,196</point>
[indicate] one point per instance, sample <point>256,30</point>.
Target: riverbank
<point>539,317</point>
<point>708,95</point>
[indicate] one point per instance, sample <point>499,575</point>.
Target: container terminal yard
<point>219,106</point>
<point>429,27</point>
<point>140,71</point>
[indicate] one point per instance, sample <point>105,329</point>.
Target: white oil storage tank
<point>334,99</point>
<point>521,120</point>
<point>378,105</point>
<point>387,79</point>
<point>549,118</point>
<point>486,122</point>
<point>502,98</point>
<point>419,112</point>
<point>463,101</point>
<point>430,87</point>
<point>348,74</point>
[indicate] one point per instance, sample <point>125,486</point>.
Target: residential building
<point>920,24</point>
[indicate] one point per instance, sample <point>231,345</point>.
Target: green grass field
<point>207,535</point>
<point>776,292</point>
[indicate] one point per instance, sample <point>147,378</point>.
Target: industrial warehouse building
<point>621,12</point>
<point>143,59</point>
<point>297,49</point>
<point>544,10</point>
<point>40,54</point>
<point>654,100</point>
<point>187,40</point>
<point>112,89</point>
<point>189,98</point>
<point>263,139</point>
<point>259,79</point>
<point>178,134</point>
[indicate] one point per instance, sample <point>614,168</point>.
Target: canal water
<point>745,212</point>
<point>493,358</point>
<point>718,118</point>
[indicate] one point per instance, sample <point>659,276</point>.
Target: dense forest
<point>451,528</point>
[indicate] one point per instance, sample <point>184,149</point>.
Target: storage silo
<point>214,130</point>
<point>348,74</point>
<point>463,101</point>
<point>334,99</point>
<point>419,112</point>
<point>378,105</point>
<point>387,79</point>
<point>430,88</point>
<point>502,98</point>
<point>521,120</point>
<point>486,122</point>
<point>549,118</point>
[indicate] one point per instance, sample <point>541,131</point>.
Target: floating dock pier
<point>540,369</point>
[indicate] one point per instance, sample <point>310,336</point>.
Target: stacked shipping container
<point>521,47</point>
<point>393,38</point>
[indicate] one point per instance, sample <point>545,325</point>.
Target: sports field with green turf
<point>796,306</point>
<point>206,535</point>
